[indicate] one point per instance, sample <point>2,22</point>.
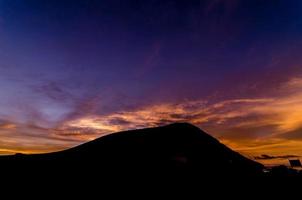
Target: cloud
<point>253,126</point>
<point>293,84</point>
<point>53,91</point>
<point>6,125</point>
<point>30,138</point>
<point>268,157</point>
<point>293,135</point>
<point>235,118</point>
<point>198,112</point>
<point>144,117</point>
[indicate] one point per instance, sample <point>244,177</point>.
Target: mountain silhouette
<point>177,148</point>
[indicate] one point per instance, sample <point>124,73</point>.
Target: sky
<point>72,71</point>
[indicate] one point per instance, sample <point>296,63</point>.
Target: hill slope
<point>176,148</point>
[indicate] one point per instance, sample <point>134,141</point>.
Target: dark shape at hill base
<point>179,148</point>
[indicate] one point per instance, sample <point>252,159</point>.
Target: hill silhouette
<point>177,148</point>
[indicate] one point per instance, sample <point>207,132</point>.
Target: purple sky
<point>71,71</point>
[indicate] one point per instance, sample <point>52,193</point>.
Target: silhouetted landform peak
<point>176,148</point>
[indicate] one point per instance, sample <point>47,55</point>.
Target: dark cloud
<point>54,91</point>
<point>6,125</point>
<point>268,157</point>
<point>119,121</point>
<point>162,122</point>
<point>292,135</point>
<point>242,133</point>
<point>87,105</point>
<point>185,116</point>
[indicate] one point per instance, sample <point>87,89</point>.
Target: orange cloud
<point>7,125</point>
<point>253,126</point>
<point>197,112</point>
<point>244,122</point>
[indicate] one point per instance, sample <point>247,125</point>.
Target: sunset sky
<point>72,71</point>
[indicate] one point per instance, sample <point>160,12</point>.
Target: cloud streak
<point>252,126</point>
<point>240,123</point>
<point>268,157</point>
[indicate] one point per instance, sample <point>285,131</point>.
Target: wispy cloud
<point>254,126</point>
<point>53,91</point>
<point>274,113</point>
<point>244,122</point>
<point>4,125</point>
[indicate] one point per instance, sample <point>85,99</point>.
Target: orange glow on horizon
<point>251,126</point>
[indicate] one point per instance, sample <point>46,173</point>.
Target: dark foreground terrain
<point>180,148</point>
<point>176,152</point>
